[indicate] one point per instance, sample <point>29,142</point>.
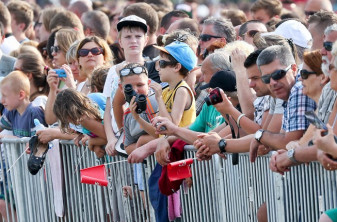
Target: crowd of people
<point>225,78</point>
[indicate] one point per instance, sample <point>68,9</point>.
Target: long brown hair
<point>72,106</point>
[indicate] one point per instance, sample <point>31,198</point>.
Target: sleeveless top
<point>189,114</point>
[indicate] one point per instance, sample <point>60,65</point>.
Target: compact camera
<point>140,98</point>
<point>214,97</point>
<point>61,73</point>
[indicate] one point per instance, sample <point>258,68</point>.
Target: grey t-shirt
<point>326,102</point>
<point>132,128</point>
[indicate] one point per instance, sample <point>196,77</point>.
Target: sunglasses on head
<point>163,63</point>
<point>206,37</point>
<point>55,49</point>
<point>277,75</point>
<point>251,33</point>
<point>328,46</point>
<point>135,70</point>
<point>305,73</point>
<point>94,51</point>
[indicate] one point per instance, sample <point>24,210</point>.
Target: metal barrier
<point>220,192</point>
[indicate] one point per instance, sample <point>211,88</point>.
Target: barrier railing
<point>220,191</point>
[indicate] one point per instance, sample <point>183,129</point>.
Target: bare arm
<point>118,108</point>
<point>280,140</point>
<point>53,82</point>
<point>94,126</point>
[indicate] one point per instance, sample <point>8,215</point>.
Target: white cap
<point>296,31</point>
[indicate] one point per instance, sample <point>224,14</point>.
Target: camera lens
<point>141,103</point>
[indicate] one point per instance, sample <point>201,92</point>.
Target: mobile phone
<point>314,120</point>
<point>61,73</point>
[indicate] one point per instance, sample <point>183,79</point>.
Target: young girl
<point>73,108</point>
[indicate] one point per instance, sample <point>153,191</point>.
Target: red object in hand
<point>94,175</point>
<point>179,170</point>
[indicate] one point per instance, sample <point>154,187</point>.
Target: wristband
<point>239,118</point>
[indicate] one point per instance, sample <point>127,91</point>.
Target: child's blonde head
<point>17,81</point>
<point>72,106</point>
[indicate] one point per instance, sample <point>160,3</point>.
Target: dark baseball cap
<point>132,20</point>
<point>224,79</point>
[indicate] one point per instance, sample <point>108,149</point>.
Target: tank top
<point>189,114</point>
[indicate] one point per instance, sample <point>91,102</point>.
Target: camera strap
<point>235,156</point>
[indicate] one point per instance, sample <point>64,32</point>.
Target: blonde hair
<point>72,106</point>
<point>245,47</point>
<point>66,36</point>
<point>18,81</point>
<point>72,51</point>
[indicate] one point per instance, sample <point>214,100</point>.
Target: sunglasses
<point>328,46</point>
<point>94,51</point>
<point>277,75</point>
<point>251,33</point>
<point>135,70</point>
<point>305,73</point>
<point>308,13</point>
<point>206,37</point>
<point>55,49</point>
<point>163,63</point>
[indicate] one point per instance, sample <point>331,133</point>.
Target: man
<point>22,18</point>
<point>265,10</point>
<point>184,24</point>
<point>169,18</point>
<point>6,62</point>
<point>314,6</point>
<point>96,23</point>
<point>281,162</point>
<point>278,69</point>
<point>79,7</point>
<point>216,29</point>
<point>317,24</point>
<point>248,29</point>
<point>9,42</point>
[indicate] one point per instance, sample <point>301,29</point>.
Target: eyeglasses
<point>277,75</point>
<point>55,49</point>
<point>94,51</point>
<point>305,73</point>
<point>308,13</point>
<point>206,37</point>
<point>328,46</point>
<point>135,70</point>
<point>251,33</point>
<point>163,63</point>
<point>37,24</point>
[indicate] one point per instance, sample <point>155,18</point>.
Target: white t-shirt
<point>10,43</point>
<point>40,101</point>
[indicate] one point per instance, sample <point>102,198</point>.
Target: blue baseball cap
<point>182,53</point>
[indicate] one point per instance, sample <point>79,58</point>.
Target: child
<point>19,113</point>
<point>177,101</point>
<point>72,107</point>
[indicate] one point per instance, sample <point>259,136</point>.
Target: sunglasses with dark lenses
<point>55,49</point>
<point>305,73</point>
<point>328,46</point>
<point>163,63</point>
<point>135,70</point>
<point>308,13</point>
<point>277,75</point>
<point>94,51</point>
<point>251,33</point>
<point>206,37</point>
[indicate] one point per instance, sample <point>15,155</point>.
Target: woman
<point>31,63</point>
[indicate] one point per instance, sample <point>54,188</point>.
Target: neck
<point>316,97</point>
<point>33,89</point>
<point>20,36</point>
<point>173,83</point>
<point>23,106</point>
<point>152,39</point>
<point>134,59</point>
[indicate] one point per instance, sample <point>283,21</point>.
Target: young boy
<point>177,101</point>
<point>137,127</point>
<point>19,113</point>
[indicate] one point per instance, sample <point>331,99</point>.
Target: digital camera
<point>61,73</point>
<point>214,97</point>
<point>140,98</point>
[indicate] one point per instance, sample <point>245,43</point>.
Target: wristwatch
<point>291,155</point>
<point>258,135</point>
<point>222,145</point>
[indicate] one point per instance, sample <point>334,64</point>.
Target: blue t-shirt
<point>22,125</point>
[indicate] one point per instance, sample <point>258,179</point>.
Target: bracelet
<point>239,118</point>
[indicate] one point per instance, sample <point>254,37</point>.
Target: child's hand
<point>45,135</point>
<point>78,139</point>
<point>157,89</point>
<point>53,80</point>
<point>133,107</point>
<point>110,147</point>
